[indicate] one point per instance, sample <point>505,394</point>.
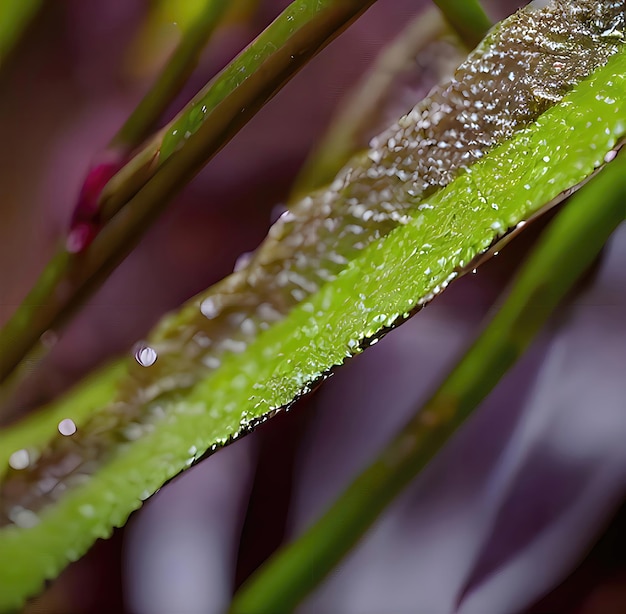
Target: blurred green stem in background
<point>360,109</point>
<point>468,19</point>
<point>358,112</point>
<point>15,15</point>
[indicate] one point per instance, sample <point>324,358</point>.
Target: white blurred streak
<point>181,549</point>
<point>576,421</point>
<point>547,560</point>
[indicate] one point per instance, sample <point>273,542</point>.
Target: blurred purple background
<point>498,521</point>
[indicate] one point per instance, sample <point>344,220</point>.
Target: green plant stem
<point>300,32</point>
<point>174,75</point>
<point>565,252</point>
<point>269,62</point>
<point>468,19</point>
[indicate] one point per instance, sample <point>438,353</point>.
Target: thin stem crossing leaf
<point>359,111</point>
<point>467,17</point>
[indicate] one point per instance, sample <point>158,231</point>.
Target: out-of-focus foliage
<point>14,17</point>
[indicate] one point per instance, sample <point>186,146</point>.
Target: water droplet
<point>248,327</point>
<point>133,431</point>
<point>233,345</point>
<point>67,427</point>
<point>87,510</point>
<point>49,339</point>
<point>23,518</point>
<point>375,155</point>
<point>20,459</point>
<point>145,355</point>
<point>208,308</point>
<point>211,362</point>
<point>243,261</point>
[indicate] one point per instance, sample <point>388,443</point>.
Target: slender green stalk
<point>214,116</point>
<point>564,253</point>
<point>234,95</point>
<point>174,75</point>
<point>467,17</point>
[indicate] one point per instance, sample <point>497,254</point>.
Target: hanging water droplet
<point>49,339</point>
<point>145,355</point>
<point>20,459</point>
<point>67,427</point>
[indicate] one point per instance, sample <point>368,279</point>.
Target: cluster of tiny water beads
<point>525,66</point>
